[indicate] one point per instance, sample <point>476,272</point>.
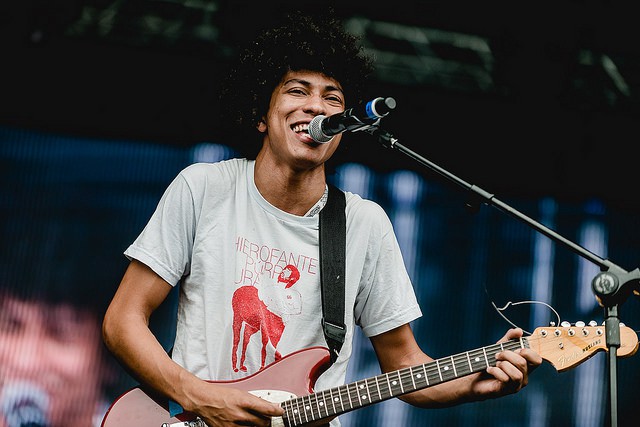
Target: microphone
<point>323,128</point>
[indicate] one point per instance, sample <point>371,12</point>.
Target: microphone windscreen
<point>315,130</point>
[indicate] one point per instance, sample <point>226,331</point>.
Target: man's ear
<point>262,125</point>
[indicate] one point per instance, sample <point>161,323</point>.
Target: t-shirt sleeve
<point>165,244</point>
<point>386,299</point>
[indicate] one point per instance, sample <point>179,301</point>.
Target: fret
<point>413,381</point>
<point>484,351</point>
<point>453,364</point>
<point>439,371</point>
<point>445,370</point>
<point>388,385</point>
<point>407,380</point>
<point>419,378</point>
<point>370,390</point>
<point>378,388</point>
<point>424,370</point>
<point>298,409</point>
<point>398,381</point>
<point>363,396</point>
<point>469,360</point>
<point>433,374</point>
<point>476,361</point>
<point>340,397</point>
<point>348,396</point>
<point>322,404</point>
<point>308,410</point>
<point>289,410</point>
<point>493,351</point>
<point>461,364</point>
<point>350,391</point>
<point>355,387</point>
<point>333,401</point>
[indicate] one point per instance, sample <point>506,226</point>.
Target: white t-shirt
<point>249,273</point>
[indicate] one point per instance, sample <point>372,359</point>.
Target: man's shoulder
<point>218,172</point>
<point>228,166</point>
<point>364,210</point>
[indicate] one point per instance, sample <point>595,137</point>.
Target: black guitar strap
<point>332,269</point>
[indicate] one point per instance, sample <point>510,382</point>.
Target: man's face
<point>50,356</point>
<point>300,97</point>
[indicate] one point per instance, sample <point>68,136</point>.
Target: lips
<point>301,129</point>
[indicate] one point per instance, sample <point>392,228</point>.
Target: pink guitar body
<point>295,375</point>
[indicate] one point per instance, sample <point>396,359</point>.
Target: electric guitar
<point>290,380</point>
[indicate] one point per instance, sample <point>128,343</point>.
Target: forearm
<point>397,349</point>
<point>444,395</point>
<point>130,340</point>
<point>127,335</point>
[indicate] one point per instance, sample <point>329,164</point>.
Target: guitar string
<point>406,379</point>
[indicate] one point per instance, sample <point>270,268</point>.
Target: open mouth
<point>301,128</point>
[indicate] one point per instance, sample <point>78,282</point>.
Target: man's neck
<point>292,191</point>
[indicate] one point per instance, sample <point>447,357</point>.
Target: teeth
<point>303,127</point>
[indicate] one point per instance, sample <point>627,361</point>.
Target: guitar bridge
<point>195,423</point>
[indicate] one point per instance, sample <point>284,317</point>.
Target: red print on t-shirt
<point>264,308</point>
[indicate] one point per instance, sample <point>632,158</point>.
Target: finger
<point>511,367</point>
<point>265,408</point>
<point>533,359</point>
<point>511,334</point>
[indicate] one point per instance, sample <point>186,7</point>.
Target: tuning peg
<point>565,324</point>
<point>580,324</point>
<point>593,323</point>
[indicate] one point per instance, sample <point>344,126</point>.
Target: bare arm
<point>127,335</point>
<point>397,349</point>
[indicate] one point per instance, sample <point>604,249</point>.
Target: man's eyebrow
<point>307,83</point>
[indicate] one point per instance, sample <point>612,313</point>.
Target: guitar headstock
<point>568,346</point>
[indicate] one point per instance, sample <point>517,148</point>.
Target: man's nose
<point>315,105</point>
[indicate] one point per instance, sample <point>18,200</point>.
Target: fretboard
<point>345,398</point>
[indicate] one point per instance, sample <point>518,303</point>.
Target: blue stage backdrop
<point>81,201</point>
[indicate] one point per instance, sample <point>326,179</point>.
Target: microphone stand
<point>612,286</point>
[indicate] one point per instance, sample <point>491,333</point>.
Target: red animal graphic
<point>258,315</point>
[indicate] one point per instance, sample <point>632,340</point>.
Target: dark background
<point>518,98</point>
<point>102,102</point>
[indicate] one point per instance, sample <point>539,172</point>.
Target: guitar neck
<point>339,400</point>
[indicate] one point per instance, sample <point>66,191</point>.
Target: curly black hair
<point>303,42</point>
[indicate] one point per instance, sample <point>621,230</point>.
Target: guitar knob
<point>593,323</point>
<point>580,324</point>
<point>565,324</point>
